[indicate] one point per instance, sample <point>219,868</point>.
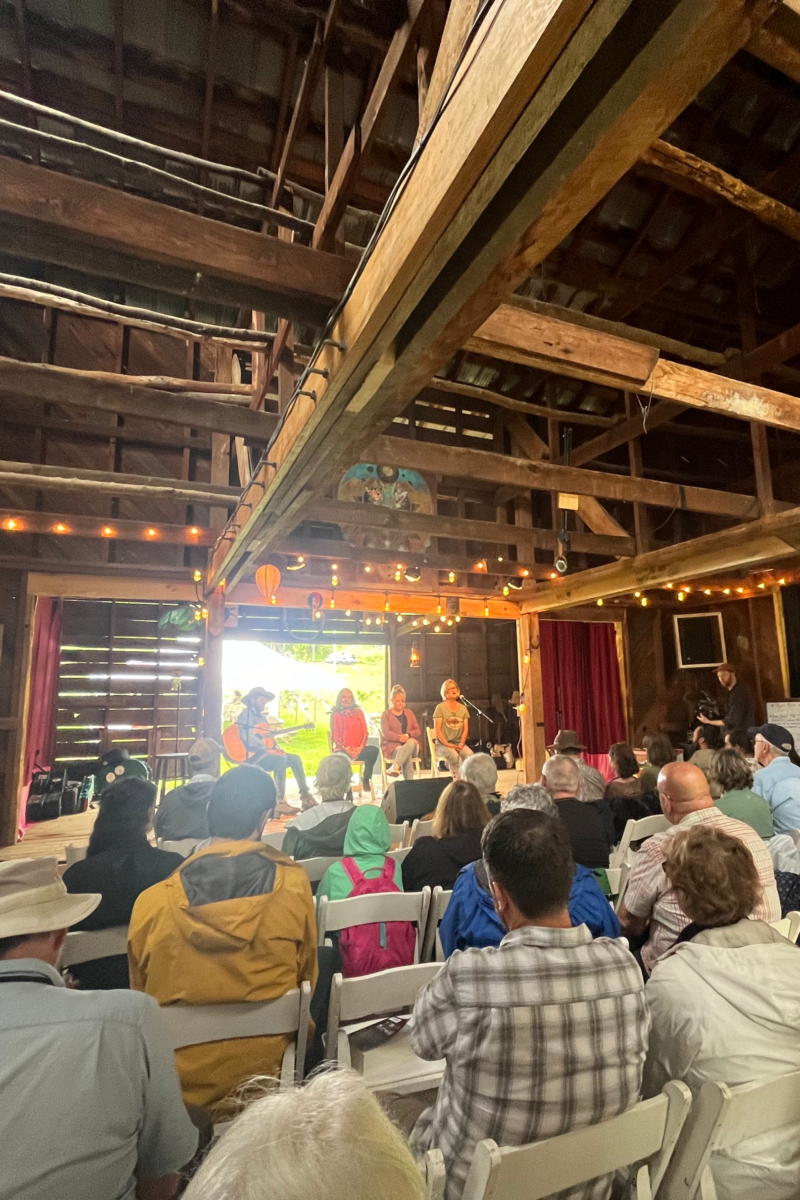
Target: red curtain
<point>45,654</point>
<point>580,673</point>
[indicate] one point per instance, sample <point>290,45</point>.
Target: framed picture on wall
<point>699,639</point>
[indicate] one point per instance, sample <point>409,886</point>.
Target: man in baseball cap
<point>739,710</point>
<point>778,779</point>
<point>92,1106</point>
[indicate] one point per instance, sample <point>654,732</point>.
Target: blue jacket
<point>470,919</point>
<point>779,784</point>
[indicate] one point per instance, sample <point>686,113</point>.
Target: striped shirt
<point>650,895</point>
<point>543,1034</point>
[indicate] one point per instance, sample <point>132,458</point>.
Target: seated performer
<point>400,735</point>
<point>451,726</point>
<point>263,751</point>
<point>349,733</point>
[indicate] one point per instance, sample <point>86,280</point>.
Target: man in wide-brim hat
<point>593,786</point>
<point>91,1099</point>
<point>566,742</point>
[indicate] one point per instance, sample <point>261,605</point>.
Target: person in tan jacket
<point>234,923</point>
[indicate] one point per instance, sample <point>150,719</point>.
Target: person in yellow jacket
<point>234,923</point>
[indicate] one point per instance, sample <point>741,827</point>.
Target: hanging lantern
<point>268,580</point>
<point>414,658</point>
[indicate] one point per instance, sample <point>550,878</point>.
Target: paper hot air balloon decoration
<point>268,580</point>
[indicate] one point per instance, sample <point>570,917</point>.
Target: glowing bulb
<point>644,601</point>
<point>525,572</point>
<point>332,603</point>
<point>682,596</point>
<point>399,618</point>
<point>201,662</point>
<point>151,533</point>
<point>686,588</point>
<point>369,621</point>
<point>499,558</point>
<point>198,615</point>
<point>457,620</point>
<point>415,622</point>
<point>317,616</point>
<point>505,590</point>
<point>12,524</point>
<point>762,585</point>
<point>706,591</point>
<point>274,600</point>
<point>198,575</point>
<point>425,621</point>
<point>526,658</point>
<point>637,594</point>
<point>386,605</point>
<point>398,575</point>
<point>451,576</point>
<point>108,531</point>
<point>334,566</point>
<point>725,592</point>
<point>740,590</point>
<point>367,568</point>
<point>334,580</point>
<point>347,612</point>
<point>554,574</point>
<point>600,601</point>
<point>449,621</point>
<point>486,610</point>
<point>436,629</point>
<point>399,566</point>
<point>194,531</point>
<point>781,582</point>
<point>300,558</point>
<point>204,613</point>
<point>669,585</point>
<point>439,607</point>
<point>60,528</point>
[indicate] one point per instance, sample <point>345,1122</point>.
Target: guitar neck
<point>276,733</point>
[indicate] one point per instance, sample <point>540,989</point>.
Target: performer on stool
<point>451,727</point>
<point>349,732</point>
<point>263,751</point>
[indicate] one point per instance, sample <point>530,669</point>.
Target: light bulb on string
<point>505,589</point>
<point>332,603</point>
<point>368,621</point>
<point>367,569</point>
<point>451,576</point>
<point>600,601</point>
<point>681,596</point>
<point>458,618</point>
<point>399,618</point>
<point>485,607</point>
<point>415,622</point>
<point>762,585</point>
<point>377,620</point>
<point>334,566</point>
<point>725,592</point>
<point>347,612</point>
<point>386,605</point>
<point>436,629</point>
<point>706,591</point>
<point>439,605</point>
<point>334,580</point>
<point>425,621</point>
<point>645,602</point>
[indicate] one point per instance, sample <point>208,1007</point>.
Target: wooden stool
<point>170,767</point>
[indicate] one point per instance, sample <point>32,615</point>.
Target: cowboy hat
<point>566,739</point>
<point>33,898</point>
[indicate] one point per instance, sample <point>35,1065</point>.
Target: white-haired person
<point>92,1104</point>
<point>329,1140</point>
<point>481,771</point>
<point>590,828</point>
<point>471,918</point>
<point>451,727</point>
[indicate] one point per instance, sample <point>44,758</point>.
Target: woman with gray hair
<point>480,771</point>
<point>320,830</point>
<point>471,919</point>
<point>329,1140</point>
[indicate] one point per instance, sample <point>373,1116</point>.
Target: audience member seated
<point>723,1003</point>
<point>778,776</point>
<point>367,843</point>
<point>471,918</point>
<point>401,736</point>
<point>460,819</point>
<point>182,811</point>
<point>741,741</point>
<point>319,832</point>
<point>481,771</point>
<point>651,905</point>
<point>329,1140</point>
<point>120,864</point>
<point>349,733</point>
<point>659,752</point>
<point>590,833</point>
<point>706,740</point>
<point>543,1035</point>
<point>738,800</point>
<point>91,1100</point>
<point>593,785</point>
<point>234,923</point>
<point>624,791</point>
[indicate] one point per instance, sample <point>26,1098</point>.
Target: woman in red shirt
<point>349,732</point>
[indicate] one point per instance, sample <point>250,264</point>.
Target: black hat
<point>776,735</point>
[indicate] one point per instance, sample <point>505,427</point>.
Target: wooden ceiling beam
<point>111,483</point>
<point>460,19</point>
<point>550,477</point>
<point>333,551</point>
<point>105,392</point>
<point>777,43</point>
<point>499,400</point>
<point>363,133</point>
<point>625,432</point>
<point>532,138</point>
<point>34,417</point>
<point>766,357</point>
<point>22,521</point>
<point>373,516</point>
<point>771,537</point>
<point>304,283</point>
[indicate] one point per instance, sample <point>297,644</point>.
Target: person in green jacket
<point>367,840</point>
<point>738,800</point>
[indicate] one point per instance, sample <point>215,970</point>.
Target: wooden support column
<point>641,517</point>
<point>212,671</point>
<point>531,715</point>
<point>746,303</point>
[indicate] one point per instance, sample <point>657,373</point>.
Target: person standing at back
<point>235,923</point>
<point>778,776</point>
<point>589,831</point>
<point>740,711</point>
<point>544,1034</point>
<point>120,864</point>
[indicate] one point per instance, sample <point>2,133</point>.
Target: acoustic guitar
<point>235,749</point>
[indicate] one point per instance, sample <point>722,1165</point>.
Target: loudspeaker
<point>413,798</point>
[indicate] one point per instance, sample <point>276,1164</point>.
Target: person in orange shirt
<point>234,923</point>
<point>349,732</point>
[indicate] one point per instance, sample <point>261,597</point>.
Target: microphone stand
<point>477,710</point>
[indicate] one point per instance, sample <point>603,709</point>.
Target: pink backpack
<point>368,948</point>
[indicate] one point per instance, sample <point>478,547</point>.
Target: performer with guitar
<point>253,740</point>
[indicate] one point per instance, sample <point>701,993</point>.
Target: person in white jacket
<point>725,1004</point>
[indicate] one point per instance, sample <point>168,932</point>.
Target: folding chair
<point>398,855</point>
<point>335,915</point>
<point>435,1175</point>
<point>184,846</point>
<point>316,867</point>
<point>417,766</point>
<point>86,946</point>
<point>75,853</point>
<point>274,839</point>
<point>789,926</point>
<point>400,834</point>
<point>420,829</point>
<point>722,1118</point>
<point>635,831</point>
<point>394,1065</point>
<point>358,769</point>
<point>434,756</point>
<point>432,947</point>
<point>648,1131</point>
<point>287,1016</point>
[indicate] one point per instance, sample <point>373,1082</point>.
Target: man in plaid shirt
<point>543,1034</point>
<point>650,901</point>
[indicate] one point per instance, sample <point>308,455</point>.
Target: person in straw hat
<point>92,1104</point>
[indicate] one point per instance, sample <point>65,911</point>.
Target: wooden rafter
<point>460,19</point>
<point>22,521</point>
<point>211,69</point>
<point>72,479</point>
<point>119,63</point>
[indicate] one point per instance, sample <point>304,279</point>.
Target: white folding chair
<point>398,855</point>
<point>636,831</point>
<point>184,846</point>
<point>435,1175</point>
<point>400,834</point>
<point>432,947</point>
<point>274,839</point>
<point>417,768</point>
<point>789,926</point>
<point>335,915</point>
<point>420,829</point>
<point>723,1117</point>
<point>85,946</point>
<point>394,1065</point>
<point>316,867</point>
<point>75,853</point>
<point>648,1131</point>
<point>434,756</point>
<point>287,1016</point>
